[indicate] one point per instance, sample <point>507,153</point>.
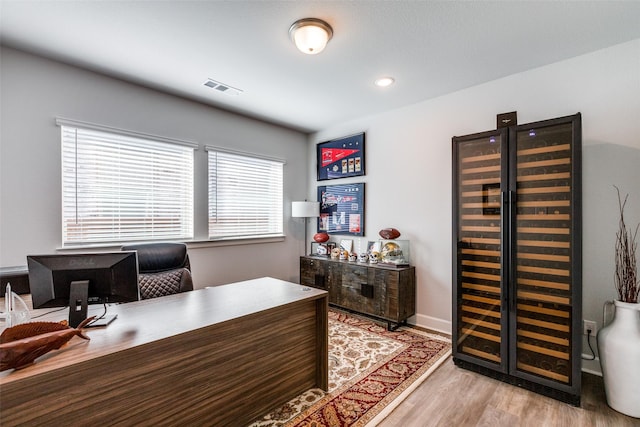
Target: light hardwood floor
<point>452,396</point>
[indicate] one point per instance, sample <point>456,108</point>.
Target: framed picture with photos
<point>341,158</point>
<point>341,209</point>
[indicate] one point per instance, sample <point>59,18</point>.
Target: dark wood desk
<point>218,356</point>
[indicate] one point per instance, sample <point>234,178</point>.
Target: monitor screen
<point>112,277</point>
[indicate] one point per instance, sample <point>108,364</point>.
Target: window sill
<point>194,244</point>
<point>233,242</point>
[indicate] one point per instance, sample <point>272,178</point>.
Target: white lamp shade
<point>305,209</point>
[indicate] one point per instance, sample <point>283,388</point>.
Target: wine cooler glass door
<point>542,302</point>
<point>481,313</point>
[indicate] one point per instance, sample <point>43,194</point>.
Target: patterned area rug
<point>371,370</point>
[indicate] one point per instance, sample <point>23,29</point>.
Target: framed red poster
<point>341,158</point>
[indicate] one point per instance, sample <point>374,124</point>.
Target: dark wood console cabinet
<point>386,293</point>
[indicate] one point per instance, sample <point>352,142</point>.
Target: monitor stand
<point>78,296</point>
<point>103,321</point>
<point>78,303</point>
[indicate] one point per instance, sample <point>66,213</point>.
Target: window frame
<point>278,203</point>
<point>129,137</point>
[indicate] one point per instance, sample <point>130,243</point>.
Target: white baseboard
<point>439,325</point>
<point>432,323</point>
<point>591,366</point>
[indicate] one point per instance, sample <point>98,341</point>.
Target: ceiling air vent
<point>223,88</point>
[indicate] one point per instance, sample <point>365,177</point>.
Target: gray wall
<point>34,91</point>
<point>408,162</point>
<point>408,155</point>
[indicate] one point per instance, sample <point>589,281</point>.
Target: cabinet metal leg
<point>391,326</point>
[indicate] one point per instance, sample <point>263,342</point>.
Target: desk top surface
<point>150,320</point>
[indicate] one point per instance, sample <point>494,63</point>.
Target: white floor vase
<point>619,349</point>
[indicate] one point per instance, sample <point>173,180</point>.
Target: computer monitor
<point>76,280</point>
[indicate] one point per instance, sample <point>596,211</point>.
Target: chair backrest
<point>156,257</point>
<point>163,268</point>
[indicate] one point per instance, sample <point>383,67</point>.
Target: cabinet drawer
<point>359,292</point>
<point>313,273</point>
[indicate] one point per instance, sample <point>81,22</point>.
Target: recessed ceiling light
<point>384,81</point>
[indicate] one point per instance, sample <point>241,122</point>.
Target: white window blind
<point>122,188</point>
<point>245,196</point>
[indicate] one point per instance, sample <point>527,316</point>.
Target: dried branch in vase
<point>626,274</point>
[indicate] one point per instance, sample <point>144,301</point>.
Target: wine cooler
<point>517,255</point>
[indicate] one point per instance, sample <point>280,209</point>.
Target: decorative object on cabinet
<point>341,209</point>
<point>384,293</point>
<point>322,249</point>
<point>517,255</point>
<point>305,210</point>
<point>320,237</point>
<point>346,244</point>
<point>394,253</point>
<point>373,247</point>
<point>619,340</point>
<point>341,158</point>
<point>389,233</point>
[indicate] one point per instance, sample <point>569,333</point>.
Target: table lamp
<point>305,210</point>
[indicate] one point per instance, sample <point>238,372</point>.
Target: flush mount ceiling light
<point>384,81</point>
<point>310,35</point>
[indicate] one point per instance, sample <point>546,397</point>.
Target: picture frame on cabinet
<point>341,158</point>
<point>373,247</point>
<point>347,245</point>
<point>322,249</point>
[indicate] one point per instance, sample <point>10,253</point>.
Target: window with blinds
<point>245,195</point>
<point>119,187</point>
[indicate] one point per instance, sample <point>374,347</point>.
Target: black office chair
<point>163,269</point>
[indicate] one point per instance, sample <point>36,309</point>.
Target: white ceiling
<point>430,47</point>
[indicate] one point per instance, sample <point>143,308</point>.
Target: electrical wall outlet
<point>589,325</point>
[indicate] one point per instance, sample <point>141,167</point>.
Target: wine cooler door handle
<point>504,215</point>
<point>513,279</point>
